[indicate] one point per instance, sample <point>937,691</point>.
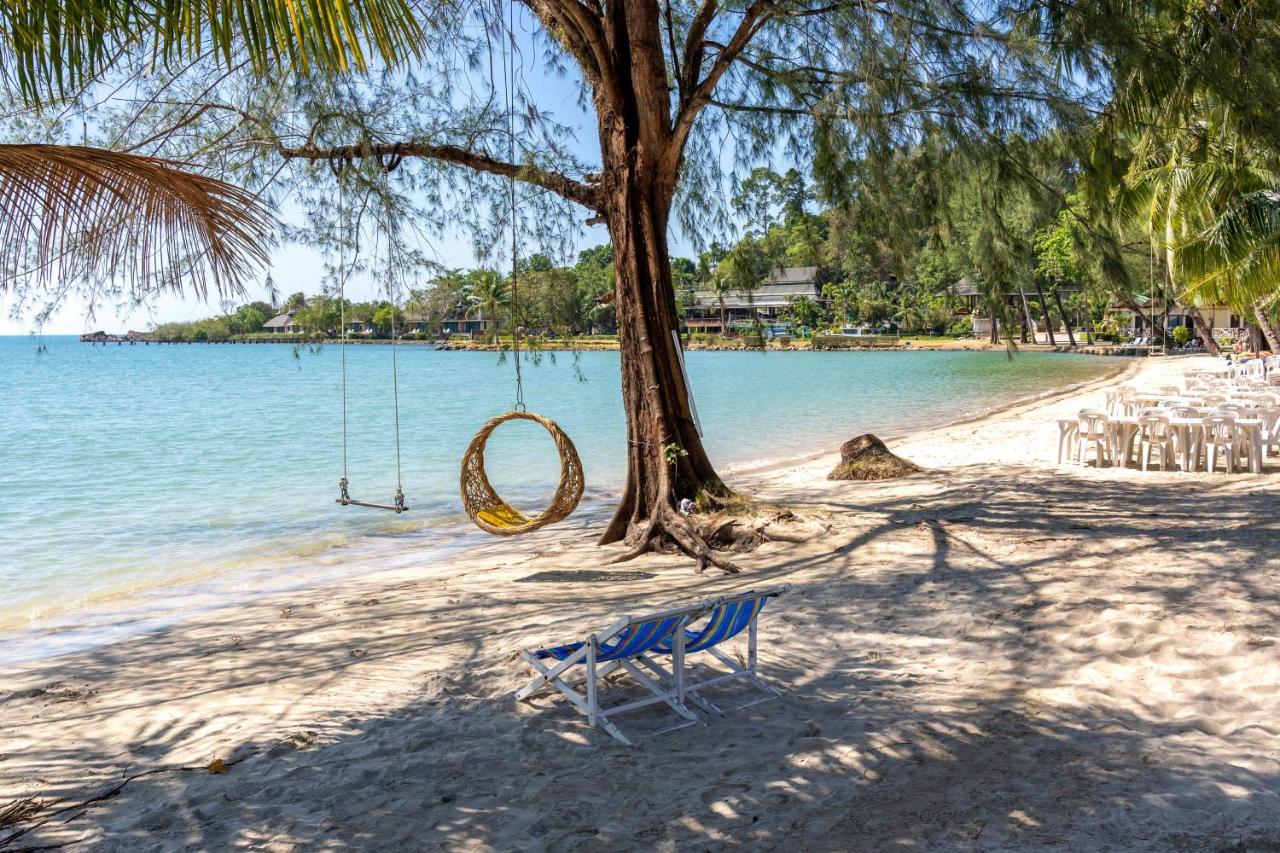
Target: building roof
<point>784,286</point>
<point>793,275</point>
<point>764,296</point>
<point>280,321</point>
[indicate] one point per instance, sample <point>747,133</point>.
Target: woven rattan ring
<point>489,511</point>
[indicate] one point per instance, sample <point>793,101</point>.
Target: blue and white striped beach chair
<point>620,646</point>
<point>728,617</point>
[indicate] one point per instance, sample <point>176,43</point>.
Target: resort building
<point>415,323</point>
<point>968,303</point>
<point>769,302</point>
<point>464,324</point>
<point>280,324</point>
<point>1220,318</point>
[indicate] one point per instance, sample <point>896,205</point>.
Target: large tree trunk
<point>666,461</point>
<point>1203,330</point>
<point>1044,309</point>
<point>1066,321</point>
<point>1268,330</point>
<point>1028,324</point>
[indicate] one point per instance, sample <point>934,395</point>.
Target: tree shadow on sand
<point>878,745</point>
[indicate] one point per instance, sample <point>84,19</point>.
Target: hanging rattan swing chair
<point>484,506</point>
<point>494,515</point>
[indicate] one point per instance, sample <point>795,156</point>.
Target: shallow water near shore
<point>158,474</point>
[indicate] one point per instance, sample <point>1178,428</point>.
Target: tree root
<point>666,529</point>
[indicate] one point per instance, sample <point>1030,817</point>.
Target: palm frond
<point>52,47</point>
<point>72,216</point>
<point>1236,257</point>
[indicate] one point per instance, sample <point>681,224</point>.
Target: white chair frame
<point>588,702</point>
<point>690,690</point>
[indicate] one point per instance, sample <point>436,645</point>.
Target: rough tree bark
<point>666,461</point>
<point>1044,309</point>
<point>1268,330</point>
<point>1028,324</point>
<point>1066,322</point>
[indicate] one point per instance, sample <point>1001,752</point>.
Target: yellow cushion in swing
<point>503,515</point>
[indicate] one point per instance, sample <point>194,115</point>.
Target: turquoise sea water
<point>126,469</point>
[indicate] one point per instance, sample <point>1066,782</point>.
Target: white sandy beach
<point>998,654</point>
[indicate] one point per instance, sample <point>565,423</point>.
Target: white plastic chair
<point>1190,435</point>
<point>1066,438</point>
<point>1155,433</point>
<point>1220,433</point>
<point>1270,429</point>
<point>1092,426</point>
<point>1126,401</point>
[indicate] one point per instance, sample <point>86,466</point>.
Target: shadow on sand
<point>886,739</point>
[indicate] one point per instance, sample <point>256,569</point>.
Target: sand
<point>997,654</point>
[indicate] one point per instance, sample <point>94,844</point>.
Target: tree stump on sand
<point>867,458</point>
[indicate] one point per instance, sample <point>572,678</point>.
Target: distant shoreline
<point>604,345</point>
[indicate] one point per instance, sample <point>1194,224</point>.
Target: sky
<point>300,268</point>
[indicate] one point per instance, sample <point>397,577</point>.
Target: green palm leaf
<point>52,47</point>
<point>71,215</point>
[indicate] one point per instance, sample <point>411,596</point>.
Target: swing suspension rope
<point>339,168</point>
<point>484,506</point>
<point>509,72</point>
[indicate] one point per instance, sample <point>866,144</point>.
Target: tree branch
<point>580,30</point>
<point>584,194</point>
<point>693,46</point>
<point>755,16</point>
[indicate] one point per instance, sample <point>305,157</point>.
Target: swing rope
<point>393,282</point>
<point>339,167</point>
<point>509,73</point>
<point>344,497</point>
<point>484,506</point>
